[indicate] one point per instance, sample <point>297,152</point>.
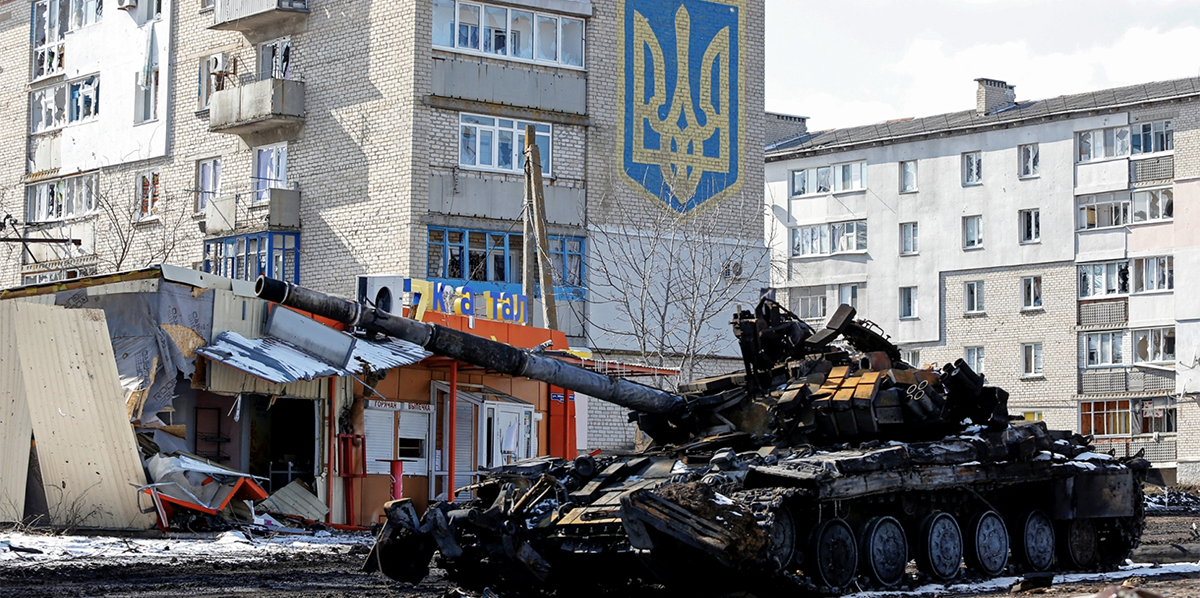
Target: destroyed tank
<point>828,464</point>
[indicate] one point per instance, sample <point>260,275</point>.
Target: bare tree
<point>134,231</point>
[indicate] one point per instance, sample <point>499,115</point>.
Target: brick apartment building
<point>1049,243</point>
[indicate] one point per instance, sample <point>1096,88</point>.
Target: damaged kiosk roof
<point>281,362</point>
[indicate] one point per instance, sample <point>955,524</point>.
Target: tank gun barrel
<point>472,349</point>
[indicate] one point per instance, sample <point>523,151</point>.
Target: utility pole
<point>535,210</point>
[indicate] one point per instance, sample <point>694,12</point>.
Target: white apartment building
<point>1041,241</point>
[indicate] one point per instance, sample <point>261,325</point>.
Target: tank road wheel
<point>1080,546</point>
<point>1035,544</point>
<point>884,551</point>
<point>834,554</point>
<point>783,538</point>
<point>987,544</point>
<point>940,546</point>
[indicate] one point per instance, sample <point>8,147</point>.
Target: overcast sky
<point>854,62</point>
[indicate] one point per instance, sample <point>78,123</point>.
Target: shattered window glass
<point>443,23</point>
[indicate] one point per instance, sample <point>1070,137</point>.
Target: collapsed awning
<point>281,362</point>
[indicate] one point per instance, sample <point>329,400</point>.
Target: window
<point>56,106</point>
<point>207,4</point>
<point>909,238</point>
<point>974,358</point>
<point>1154,345</point>
<point>1157,136</point>
<point>1153,274</point>
<point>61,199</point>
<point>146,102</point>
<point>499,143</point>
<point>972,168</point>
<point>1031,416</point>
<point>495,256</point>
<point>807,302</point>
<point>1157,415</point>
<point>1031,359</point>
<point>245,257</point>
<point>1031,292</point>
<point>1028,155</point>
<point>1031,225</point>
<point>810,181</point>
<point>972,232</point>
<point>212,78</point>
<point>1156,204</point>
<point>85,98</point>
<point>850,177</point>
<point>973,297</point>
<point>1099,144</point>
<point>1105,209</point>
<point>50,22</point>
<point>275,59</point>
<point>1104,418</point>
<point>1108,278</point>
<point>270,170</point>
<point>147,195</point>
<point>908,302</point>
<point>908,176</point>
<point>1103,348</point>
<point>511,33</point>
<point>208,182</point>
<point>57,275</point>
<point>823,239</point>
<point>848,295</point>
<point>911,356</point>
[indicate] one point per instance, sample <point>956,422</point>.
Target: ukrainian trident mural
<point>682,92</point>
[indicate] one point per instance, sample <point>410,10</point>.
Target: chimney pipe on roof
<point>994,95</point>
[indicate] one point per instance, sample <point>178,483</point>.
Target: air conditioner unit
<point>732,270</point>
<point>382,292</point>
<point>126,4</point>
<point>218,64</point>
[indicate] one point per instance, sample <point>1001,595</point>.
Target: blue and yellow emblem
<point>682,90</point>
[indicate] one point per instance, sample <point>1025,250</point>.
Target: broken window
<point>48,107</point>
<point>1104,418</point>
<point>1153,274</point>
<point>849,236</point>
<point>572,42</point>
<point>275,59</point>
<point>810,240</point>
<point>146,94</point>
<point>1031,359</point>
<point>443,23</point>
<point>1107,278</point>
<point>973,297</point>
<point>1158,415</point>
<point>908,176</point>
<point>212,78</point>
<point>147,194</point>
<point>848,295</point>
<point>85,98</point>
<point>823,239</point>
<point>1031,292</point>
<point>972,168</point>
<point>566,254</point>
<point>61,199</point>
<point>520,34</point>
<point>495,30</point>
<point>270,170</point>
<point>1103,348</point>
<point>245,257</point>
<point>499,143</point>
<point>499,31</point>
<point>807,302</point>
<point>972,232</point>
<point>911,356</point>
<point>1028,155</point>
<point>909,240</point>
<point>850,177</point>
<point>1099,144</point>
<point>812,180</point>
<point>974,358</point>
<point>208,182</point>
<point>58,275</point>
<point>1030,222</point>
<point>546,43</point>
<point>1154,345</point>
<point>1102,210</point>
<point>50,23</point>
<point>1155,204</point>
<point>908,302</point>
<point>1157,136</point>
<point>468,26</point>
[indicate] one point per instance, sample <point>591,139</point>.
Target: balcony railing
<point>1156,451</point>
<point>257,107</point>
<point>253,210</point>
<point>250,15</point>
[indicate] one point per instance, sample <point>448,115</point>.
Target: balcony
<point>1115,380</point>
<point>270,209</point>
<point>269,18</point>
<point>272,107</point>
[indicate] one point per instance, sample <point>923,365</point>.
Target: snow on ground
<point>1003,583</point>
<point>232,546</point>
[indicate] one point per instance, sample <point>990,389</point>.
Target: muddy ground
<point>334,572</point>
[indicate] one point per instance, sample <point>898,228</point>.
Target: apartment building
<point>1040,241</point>
<point>351,146</point>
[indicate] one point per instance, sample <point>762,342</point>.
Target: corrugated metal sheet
<point>86,447</point>
<point>15,426</point>
<point>276,361</point>
<point>295,499</point>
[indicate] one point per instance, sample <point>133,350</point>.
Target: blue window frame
<point>492,260</point>
<point>245,257</point>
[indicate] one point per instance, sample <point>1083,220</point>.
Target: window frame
<point>1029,226</point>
<point>1031,293</point>
<point>1166,203</point>
<point>1107,270</point>
<point>204,195</point>
<point>261,185</point>
<point>858,176</point>
<point>915,180</point>
<point>975,358</point>
<point>1110,148</point>
<point>809,303</point>
<point>969,242</point>
<point>1028,166</point>
<point>535,19</point>
<point>1031,360</point>
<point>510,253</point>
<point>271,261</point>
<point>46,201</point>
<point>852,289</point>
<point>544,141</point>
<point>1113,341</point>
<point>973,298</point>
<point>911,357</point>
<point>145,103</point>
<point>1118,207</point>
<point>910,238</point>
<point>913,312</point>
<point>972,168</point>
<point>1111,412</point>
<point>1153,355</point>
<point>827,238</point>
<point>1137,139</point>
<point>812,177</point>
<point>282,60</point>
<point>1159,268</point>
<point>1168,419</point>
<point>148,195</point>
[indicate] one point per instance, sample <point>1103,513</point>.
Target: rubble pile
<point>1172,501</point>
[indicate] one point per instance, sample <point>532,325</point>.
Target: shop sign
<point>512,308</point>
<point>399,406</point>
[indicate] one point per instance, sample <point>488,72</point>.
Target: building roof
<point>895,131</point>
<point>281,362</point>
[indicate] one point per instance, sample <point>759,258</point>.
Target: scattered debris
<point>295,499</point>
